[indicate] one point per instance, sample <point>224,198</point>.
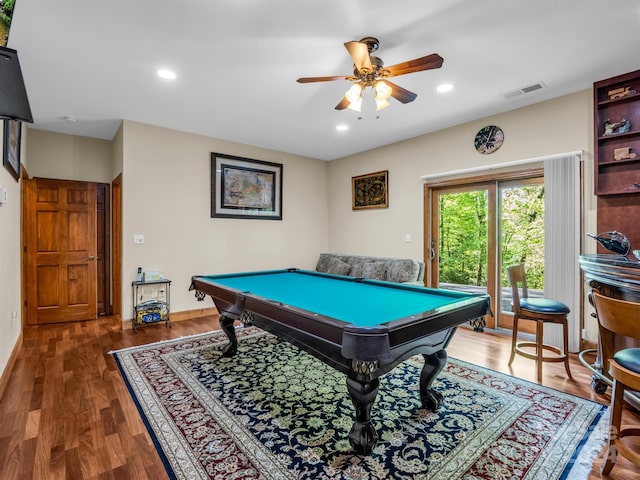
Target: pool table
<point>363,328</point>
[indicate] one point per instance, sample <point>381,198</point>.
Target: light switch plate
<point>138,239</point>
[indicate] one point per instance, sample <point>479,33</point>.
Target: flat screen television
<point>14,103</point>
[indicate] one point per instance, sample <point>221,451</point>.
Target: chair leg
<point>565,334</point>
<point>611,453</point>
<point>514,339</point>
<point>539,349</point>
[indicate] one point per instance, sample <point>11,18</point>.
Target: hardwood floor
<point>66,412</point>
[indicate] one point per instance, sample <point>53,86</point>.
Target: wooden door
<point>60,251</point>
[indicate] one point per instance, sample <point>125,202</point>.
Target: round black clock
<point>489,139</point>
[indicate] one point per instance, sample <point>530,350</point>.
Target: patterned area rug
<point>274,412</point>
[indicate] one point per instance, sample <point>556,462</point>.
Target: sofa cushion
<point>323,262</point>
<point>336,266</point>
<point>403,270</point>
<point>357,263</point>
<point>374,270</point>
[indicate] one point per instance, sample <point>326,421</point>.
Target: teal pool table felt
<point>358,303</point>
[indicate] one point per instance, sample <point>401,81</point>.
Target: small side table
<point>151,302</point>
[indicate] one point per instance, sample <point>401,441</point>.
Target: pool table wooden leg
<point>363,435</point>
<point>226,324</point>
<point>433,365</point>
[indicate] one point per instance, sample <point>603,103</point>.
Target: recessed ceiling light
<point>342,127</point>
<point>444,88</point>
<point>70,119</point>
<point>166,74</point>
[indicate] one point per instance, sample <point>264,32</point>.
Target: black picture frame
<point>370,191</point>
<point>245,188</point>
<point>11,147</point>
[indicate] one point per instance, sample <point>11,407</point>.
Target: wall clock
<point>488,139</point>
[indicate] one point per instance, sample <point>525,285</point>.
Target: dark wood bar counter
<point>618,277</point>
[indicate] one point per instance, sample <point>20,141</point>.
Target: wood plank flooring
<point>66,412</point>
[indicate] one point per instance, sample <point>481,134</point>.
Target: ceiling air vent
<point>530,88</point>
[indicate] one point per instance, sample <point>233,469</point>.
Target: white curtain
<point>562,240</point>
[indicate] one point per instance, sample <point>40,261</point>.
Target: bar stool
<point>540,310</point>
<point>621,318</point>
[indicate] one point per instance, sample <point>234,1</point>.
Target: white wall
<point>10,288</point>
<point>166,198</point>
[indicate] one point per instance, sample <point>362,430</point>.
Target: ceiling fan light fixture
<point>369,71</point>
<point>383,90</point>
<point>355,105</point>
<point>381,103</point>
<point>354,95</point>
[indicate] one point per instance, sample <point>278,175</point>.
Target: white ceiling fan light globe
<point>383,90</point>
<point>354,95</point>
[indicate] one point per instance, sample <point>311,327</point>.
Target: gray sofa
<point>400,270</point>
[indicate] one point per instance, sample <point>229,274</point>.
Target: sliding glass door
<point>478,229</point>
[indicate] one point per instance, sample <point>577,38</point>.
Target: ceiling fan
<point>369,71</point>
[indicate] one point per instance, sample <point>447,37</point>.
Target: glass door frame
<point>494,262</point>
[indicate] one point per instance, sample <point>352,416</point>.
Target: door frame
<point>116,246</point>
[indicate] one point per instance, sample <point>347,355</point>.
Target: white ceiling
<point>237,63</point>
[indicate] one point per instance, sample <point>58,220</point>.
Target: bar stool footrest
<point>520,346</point>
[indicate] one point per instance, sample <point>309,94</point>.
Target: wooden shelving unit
<point>616,177</point>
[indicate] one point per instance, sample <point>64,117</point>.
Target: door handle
<point>91,257</point>
<point>433,249</point>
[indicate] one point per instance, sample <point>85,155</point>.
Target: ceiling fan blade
<point>320,79</point>
<point>344,103</point>
<point>401,94</point>
<point>417,65</point>
<point>360,54</point>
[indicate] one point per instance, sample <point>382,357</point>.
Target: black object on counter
<point>613,241</point>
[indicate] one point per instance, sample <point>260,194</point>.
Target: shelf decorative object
<point>623,153</point>
<point>612,128</point>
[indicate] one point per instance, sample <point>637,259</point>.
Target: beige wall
<point>166,198</point>
<point>557,126</point>
<point>69,157</point>
<point>116,152</point>
<point>10,289</point>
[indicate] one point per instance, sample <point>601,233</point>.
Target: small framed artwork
<point>11,150</point>
<point>370,190</point>
<point>245,188</point>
